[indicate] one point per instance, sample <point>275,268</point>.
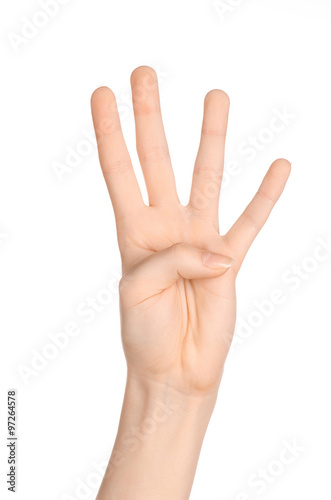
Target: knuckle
<point>266,197</point>
<point>251,221</point>
<point>141,105</point>
<point>115,166</point>
<point>213,132</point>
<point>179,250</point>
<point>206,171</point>
<point>154,153</point>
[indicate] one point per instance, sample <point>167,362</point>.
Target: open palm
<point>177,293</point>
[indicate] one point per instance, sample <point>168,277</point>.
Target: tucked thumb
<point>162,269</point>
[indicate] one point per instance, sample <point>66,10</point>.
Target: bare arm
<point>177,293</point>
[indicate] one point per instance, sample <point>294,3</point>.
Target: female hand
<point>177,293</point>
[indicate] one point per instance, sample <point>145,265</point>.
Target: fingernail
<point>216,261</point>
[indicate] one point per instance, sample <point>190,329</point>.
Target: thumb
<point>162,269</point>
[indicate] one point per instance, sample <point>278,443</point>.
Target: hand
<point>177,293</point>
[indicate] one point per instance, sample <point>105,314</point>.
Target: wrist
<point>160,435</point>
<point>144,393</point>
<point>154,412</point>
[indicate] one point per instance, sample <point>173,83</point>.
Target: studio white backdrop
<point>60,266</point>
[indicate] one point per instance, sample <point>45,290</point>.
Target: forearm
<point>158,443</point>
<point>177,293</point>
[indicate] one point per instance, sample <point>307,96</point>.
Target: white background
<point>58,244</point>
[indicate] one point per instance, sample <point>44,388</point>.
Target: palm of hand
<point>180,335</point>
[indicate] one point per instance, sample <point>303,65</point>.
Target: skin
<point>177,293</point>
